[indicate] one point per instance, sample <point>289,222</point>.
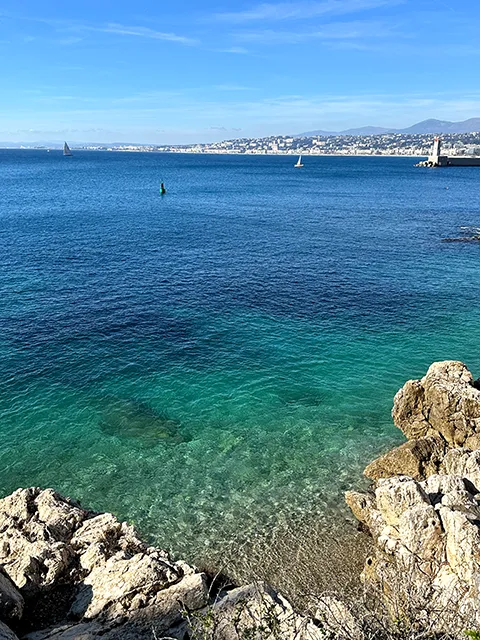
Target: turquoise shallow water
<point>210,363</point>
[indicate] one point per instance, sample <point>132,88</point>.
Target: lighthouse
<point>436,159</point>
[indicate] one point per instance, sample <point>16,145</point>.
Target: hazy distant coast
<point>387,144</point>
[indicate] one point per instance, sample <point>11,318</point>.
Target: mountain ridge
<point>428,126</point>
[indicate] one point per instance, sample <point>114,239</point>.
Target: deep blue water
<point>224,357</point>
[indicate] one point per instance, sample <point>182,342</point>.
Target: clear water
<point>214,361</point>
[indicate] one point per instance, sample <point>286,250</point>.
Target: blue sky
<point>187,71</point>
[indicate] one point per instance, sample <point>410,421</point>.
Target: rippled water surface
<point>218,359</point>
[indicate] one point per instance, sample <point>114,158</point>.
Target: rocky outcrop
<point>445,403</point>
<point>439,412</point>
<point>69,573</point>
<point>423,510</point>
<point>417,458</point>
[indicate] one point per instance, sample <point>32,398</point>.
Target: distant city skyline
<point>209,71</point>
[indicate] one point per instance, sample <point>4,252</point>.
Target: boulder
<point>395,496</point>
<point>59,515</point>
<point>417,458</point>
<point>465,464</point>
<point>445,403</point>
<point>364,508</point>
<point>163,617</point>
<point>121,580</point>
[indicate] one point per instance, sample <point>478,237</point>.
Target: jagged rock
<point>120,579</point>
<point>424,513</point>
<point>416,458</point>
<point>6,633</point>
<point>255,611</point>
<point>439,411</point>
<point>427,555</point>
<point>105,573</point>
<point>396,495</point>
<point>465,464</point>
<point>87,576</point>
<point>60,516</point>
<point>364,508</point>
<point>11,601</point>
<point>443,403</point>
<point>164,617</point>
<point>103,536</point>
<point>35,527</point>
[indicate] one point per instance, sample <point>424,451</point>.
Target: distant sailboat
<point>299,163</point>
<point>66,150</point>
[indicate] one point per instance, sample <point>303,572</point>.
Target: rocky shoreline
<point>423,510</point>
<point>70,573</point>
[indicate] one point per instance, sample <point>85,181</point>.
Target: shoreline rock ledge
<point>67,573</point>
<point>423,510</point>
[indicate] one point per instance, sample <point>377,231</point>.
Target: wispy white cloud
<point>235,50</point>
<point>338,31</point>
<point>225,129</point>
<point>302,10</point>
<point>140,32</point>
<point>70,40</point>
<point>381,109</point>
<point>78,29</point>
<point>189,121</point>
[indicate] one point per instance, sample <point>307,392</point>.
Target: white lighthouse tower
<point>436,159</point>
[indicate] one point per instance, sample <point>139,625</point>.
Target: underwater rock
<point>469,234</point>
<point>132,419</point>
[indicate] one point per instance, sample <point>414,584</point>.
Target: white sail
<point>66,150</point>
<point>299,162</point>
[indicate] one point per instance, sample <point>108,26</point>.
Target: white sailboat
<point>66,150</point>
<point>299,162</point>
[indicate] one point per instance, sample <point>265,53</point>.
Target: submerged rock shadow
<point>138,422</point>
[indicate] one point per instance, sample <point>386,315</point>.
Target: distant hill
<point>317,132</point>
<point>425,127</point>
<point>444,126</point>
<point>366,131</point>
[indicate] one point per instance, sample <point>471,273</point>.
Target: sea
<point>217,361</point>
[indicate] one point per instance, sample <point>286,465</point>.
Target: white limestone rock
<point>443,403</point>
